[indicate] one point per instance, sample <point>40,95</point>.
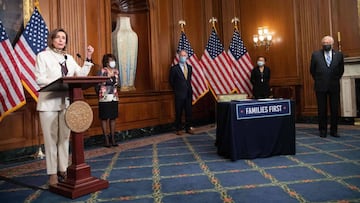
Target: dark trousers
<point>322,101</point>
<point>180,106</point>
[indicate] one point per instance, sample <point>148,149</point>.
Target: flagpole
<point>29,7</point>
<point>39,154</point>
<point>213,20</point>
<point>244,70</point>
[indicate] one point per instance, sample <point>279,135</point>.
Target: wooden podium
<point>79,181</point>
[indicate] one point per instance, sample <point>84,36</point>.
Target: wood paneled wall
<point>298,27</point>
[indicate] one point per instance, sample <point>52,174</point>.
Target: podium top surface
<point>64,83</point>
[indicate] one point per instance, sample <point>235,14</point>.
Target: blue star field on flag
<point>184,44</point>
<point>237,47</point>
<point>3,35</point>
<point>214,47</point>
<point>36,32</point>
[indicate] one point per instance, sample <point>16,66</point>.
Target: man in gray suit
<point>327,68</point>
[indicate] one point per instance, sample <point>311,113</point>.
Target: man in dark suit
<point>180,81</point>
<point>327,68</point>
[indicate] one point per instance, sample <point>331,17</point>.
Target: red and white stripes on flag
<point>11,91</point>
<point>217,67</point>
<point>32,41</point>
<point>241,62</point>
<point>198,81</point>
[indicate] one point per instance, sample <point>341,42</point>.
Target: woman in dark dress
<point>108,98</point>
<point>260,78</point>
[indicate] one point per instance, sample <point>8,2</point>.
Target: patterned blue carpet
<point>188,169</point>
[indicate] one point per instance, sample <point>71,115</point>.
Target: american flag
<point>242,65</point>
<point>11,91</point>
<point>32,41</point>
<point>217,67</point>
<point>198,81</point>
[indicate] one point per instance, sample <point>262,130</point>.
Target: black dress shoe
<point>190,131</point>
<point>334,134</point>
<point>322,134</point>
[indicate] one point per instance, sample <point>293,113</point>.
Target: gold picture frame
<point>28,8</point>
<point>14,16</point>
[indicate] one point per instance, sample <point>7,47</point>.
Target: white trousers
<point>56,139</point>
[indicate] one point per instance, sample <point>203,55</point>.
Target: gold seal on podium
<point>79,116</point>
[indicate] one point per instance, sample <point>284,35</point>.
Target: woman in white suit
<point>51,64</point>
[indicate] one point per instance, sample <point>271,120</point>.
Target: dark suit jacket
<point>180,85</point>
<point>326,78</point>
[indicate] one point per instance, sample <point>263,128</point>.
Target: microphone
<point>64,69</point>
<point>79,56</point>
<point>62,62</point>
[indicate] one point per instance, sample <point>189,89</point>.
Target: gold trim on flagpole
<point>182,23</point>
<point>37,4</point>
<point>213,21</point>
<point>235,21</point>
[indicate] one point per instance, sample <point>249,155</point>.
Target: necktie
<point>185,71</point>
<point>64,69</point>
<point>328,59</point>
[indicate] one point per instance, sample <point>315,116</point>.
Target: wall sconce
<point>263,38</point>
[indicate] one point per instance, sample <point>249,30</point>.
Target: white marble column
<point>347,87</point>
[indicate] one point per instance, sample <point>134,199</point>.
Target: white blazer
<point>47,70</point>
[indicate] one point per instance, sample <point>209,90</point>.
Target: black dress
<point>260,81</point>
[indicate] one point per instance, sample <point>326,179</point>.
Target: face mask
<point>182,59</point>
<point>260,63</point>
<point>112,64</point>
<point>326,47</point>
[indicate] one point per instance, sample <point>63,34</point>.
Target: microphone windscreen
<point>65,57</point>
<point>78,55</point>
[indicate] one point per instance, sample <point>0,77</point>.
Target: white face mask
<point>260,63</point>
<point>112,64</point>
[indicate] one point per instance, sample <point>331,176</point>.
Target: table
<point>250,129</point>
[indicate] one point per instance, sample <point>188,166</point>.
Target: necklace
<point>261,69</point>
<point>59,51</point>
<point>58,55</point>
<point>110,71</point>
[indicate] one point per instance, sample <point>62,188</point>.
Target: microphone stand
<point>39,154</point>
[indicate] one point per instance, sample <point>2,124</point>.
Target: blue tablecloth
<point>263,134</point>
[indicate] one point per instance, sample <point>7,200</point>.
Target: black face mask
<point>326,47</point>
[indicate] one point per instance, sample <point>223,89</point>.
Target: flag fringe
<point>6,113</point>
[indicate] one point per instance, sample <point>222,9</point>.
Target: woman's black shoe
<point>61,176</point>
